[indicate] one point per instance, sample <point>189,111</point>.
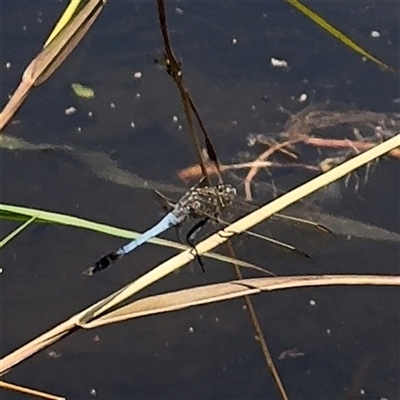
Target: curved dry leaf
<point>196,296</point>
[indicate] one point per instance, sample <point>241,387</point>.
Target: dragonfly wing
<point>240,208</point>
<point>247,207</point>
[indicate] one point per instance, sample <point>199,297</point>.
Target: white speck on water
<point>253,108</point>
<point>93,392</point>
<point>90,114</point>
<point>251,139</point>
<point>8,64</point>
<point>24,28</point>
<point>362,391</point>
<point>132,124</point>
<point>234,41</point>
<point>175,119</point>
<point>1,270</point>
<point>278,63</point>
<point>138,96</point>
<point>328,331</point>
<point>312,302</point>
<point>303,97</point>
<point>112,105</point>
<point>70,110</point>
<point>180,127</point>
<point>375,34</point>
<point>54,354</point>
<point>191,329</point>
<point>178,11</point>
<point>137,75</point>
<point>79,129</point>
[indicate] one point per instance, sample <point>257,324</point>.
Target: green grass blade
<point>16,232</point>
<point>18,213</point>
<point>337,34</point>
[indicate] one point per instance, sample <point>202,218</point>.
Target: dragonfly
<point>199,202</point>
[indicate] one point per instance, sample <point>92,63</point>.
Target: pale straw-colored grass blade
<point>50,58</point>
<point>29,392</point>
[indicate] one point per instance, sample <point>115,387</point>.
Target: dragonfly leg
<point>166,202</point>
<point>190,236</point>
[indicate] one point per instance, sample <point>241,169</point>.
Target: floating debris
<point>70,110</point>
<point>277,63</point>
<point>137,75</point>
<point>290,353</point>
<point>303,97</point>
<point>375,34</point>
<point>84,92</point>
<point>53,354</point>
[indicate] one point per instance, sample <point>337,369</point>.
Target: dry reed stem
<point>193,172</point>
<point>31,392</point>
<point>345,144</point>
<point>254,169</point>
<point>51,57</point>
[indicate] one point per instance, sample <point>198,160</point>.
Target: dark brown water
<point>347,338</point>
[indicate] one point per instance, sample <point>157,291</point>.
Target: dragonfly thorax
<point>205,201</point>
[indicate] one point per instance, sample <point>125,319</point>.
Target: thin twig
<point>174,70</point>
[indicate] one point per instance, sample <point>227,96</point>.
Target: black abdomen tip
<point>103,263</point>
